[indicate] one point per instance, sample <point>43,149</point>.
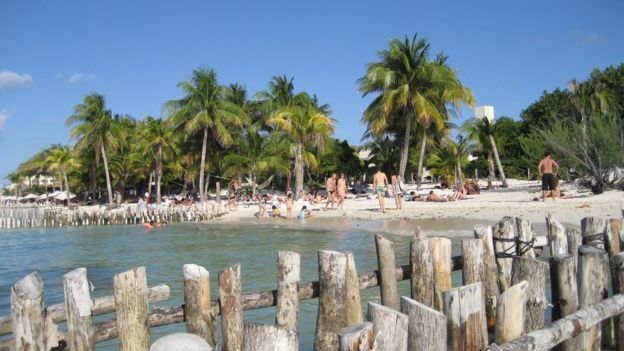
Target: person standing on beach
<point>342,190</point>
<point>545,169</point>
<point>396,189</point>
<point>380,181</point>
<point>330,185</point>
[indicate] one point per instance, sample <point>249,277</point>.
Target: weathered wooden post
<point>181,341</point>
<point>357,337</point>
<point>389,326</point>
<point>421,280</point>
<point>27,314</point>
<point>442,268</point>
<point>490,272</point>
<point>612,236</point>
<point>505,246</point>
<point>591,278</point>
<point>288,276</point>
<point>230,290</point>
<point>353,303</point>
<point>534,273</point>
<point>574,243</point>
<point>387,267</point>
<point>556,236</point>
<point>525,238</point>
<point>618,267</point>
<point>331,316</point>
<point>131,306</point>
<point>510,313</point>
<point>592,231</point>
<point>466,324</point>
<point>564,292</point>
<point>78,306</point>
<point>426,328</point>
<point>472,254</point>
<point>197,315</point>
<point>262,337</point>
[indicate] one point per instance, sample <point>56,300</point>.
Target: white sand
<point>489,206</point>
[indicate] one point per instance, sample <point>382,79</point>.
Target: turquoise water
<point>106,251</point>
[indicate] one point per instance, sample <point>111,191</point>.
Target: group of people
<point>336,191</point>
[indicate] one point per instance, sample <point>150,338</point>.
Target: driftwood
<point>510,313</point>
<point>231,308</point>
<point>421,264</point>
<point>199,319</point>
<point>490,272</point>
<point>331,316</point>
<point>358,337</point>
<point>534,273</point>
<point>390,327</point>
<point>426,328</point>
<point>505,245</point>
<point>570,326</point>
<point>288,277</point>
<point>564,292</point>
<point>78,307</point>
<point>262,337</point>
<point>442,268</point>
<point>131,306</point>
<point>387,265</point>
<point>466,324</point>
<point>27,313</point>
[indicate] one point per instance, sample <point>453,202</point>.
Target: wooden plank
<point>510,313</point>
<point>263,337</point>
<point>130,290</point>
<point>27,314</point>
<point>466,324</point>
<point>490,273</point>
<point>426,328</point>
<point>230,291</point>
<point>386,262</point>
<point>331,316</point>
<point>442,268</point>
<point>534,273</point>
<point>288,277</point>
<point>78,307</point>
<point>564,293</point>
<point>199,319</point>
<point>389,326</point>
<point>357,337</point>
<point>421,264</point>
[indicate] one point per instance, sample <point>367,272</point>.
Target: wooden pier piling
<point>387,265</point>
<point>230,291</point>
<point>421,264</point>
<point>197,314</point>
<point>288,277</point>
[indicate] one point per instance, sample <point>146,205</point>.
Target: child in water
<point>275,212</point>
<point>304,213</point>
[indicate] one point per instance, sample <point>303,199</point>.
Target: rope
<point>510,252</point>
<point>594,239</point>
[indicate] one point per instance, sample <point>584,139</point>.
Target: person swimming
<point>304,213</point>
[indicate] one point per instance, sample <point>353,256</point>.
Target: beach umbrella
<point>29,197</point>
<point>63,196</point>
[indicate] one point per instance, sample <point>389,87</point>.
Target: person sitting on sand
<point>304,213</point>
<point>433,197</point>
<point>459,194</point>
<point>275,212</point>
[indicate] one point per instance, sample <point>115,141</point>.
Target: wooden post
<point>510,313</point>
<point>199,319</point>
<point>525,238</point>
<point>421,280</point>
<point>131,305</point>
<point>442,268</point>
<point>357,337</point>
<point>505,245</point>
<point>591,278</point>
<point>574,242</point>
<point>472,253</point>
<point>288,276</point>
<point>427,327</point>
<point>262,337</point>
<point>612,236</point>
<point>387,266</point>
<point>27,314</point>
<point>78,306</point>
<point>564,292</point>
<point>466,325</point>
<point>231,308</point>
<point>592,231</point>
<point>353,303</point>
<point>618,267</point>
<point>389,326</point>
<point>556,236</point>
<point>490,273</point>
<point>180,341</point>
<point>533,272</point>
<point>331,316</point>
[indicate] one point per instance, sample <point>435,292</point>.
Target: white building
<point>484,111</point>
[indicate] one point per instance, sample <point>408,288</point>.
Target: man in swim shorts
<point>380,181</point>
<point>330,185</point>
<point>545,169</point>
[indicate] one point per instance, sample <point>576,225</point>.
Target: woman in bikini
<point>342,190</point>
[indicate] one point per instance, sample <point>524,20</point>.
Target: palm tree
<point>158,135</point>
<point>482,131</point>
<point>95,125</point>
<point>203,108</point>
<point>16,179</point>
<point>61,160</point>
<point>302,123</point>
<point>410,89</point>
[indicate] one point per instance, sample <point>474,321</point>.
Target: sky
<point>53,53</point>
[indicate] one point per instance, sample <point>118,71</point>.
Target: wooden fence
<point>500,305</point>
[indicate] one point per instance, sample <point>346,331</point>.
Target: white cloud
<point>12,80</point>
<point>4,116</point>
<point>80,77</point>
<point>587,39</point>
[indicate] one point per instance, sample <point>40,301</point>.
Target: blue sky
<point>53,53</point>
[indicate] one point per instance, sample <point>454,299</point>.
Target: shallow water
<point>105,251</point>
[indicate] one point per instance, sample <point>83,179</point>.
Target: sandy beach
<point>487,207</point>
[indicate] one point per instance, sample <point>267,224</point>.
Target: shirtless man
<point>380,181</point>
<point>545,168</point>
<point>342,190</point>
<point>330,185</point>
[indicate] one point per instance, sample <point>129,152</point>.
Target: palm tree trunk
<point>206,185</point>
<point>421,161</point>
<point>202,194</point>
<point>66,187</point>
<point>458,178</point>
<point>93,180</point>
<point>406,143</point>
<point>490,162</point>
<point>298,170</point>
<point>109,189</point>
<point>498,163</point>
<point>158,173</point>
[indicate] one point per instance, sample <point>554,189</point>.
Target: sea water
<point>106,251</point>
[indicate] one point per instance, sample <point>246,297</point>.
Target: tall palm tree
<point>302,123</point>
<point>158,134</point>
<point>203,108</point>
<point>411,89</point>
<point>95,125</point>
<point>16,179</point>
<point>62,159</point>
<point>482,131</point>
